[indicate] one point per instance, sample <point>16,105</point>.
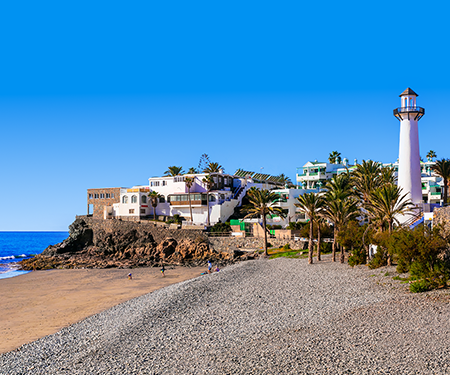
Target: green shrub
<point>379,259</point>
<point>357,257</point>
<point>177,219</point>
<point>289,254</point>
<point>419,286</point>
<point>287,247</point>
<point>221,228</point>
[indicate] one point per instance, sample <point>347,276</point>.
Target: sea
<point>15,246</point>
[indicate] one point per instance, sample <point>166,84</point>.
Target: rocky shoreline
<point>129,246</point>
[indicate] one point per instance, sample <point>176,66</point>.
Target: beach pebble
<point>279,316</point>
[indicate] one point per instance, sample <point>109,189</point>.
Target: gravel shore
<point>278,316</point>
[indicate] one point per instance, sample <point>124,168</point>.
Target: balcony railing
<point>418,111</point>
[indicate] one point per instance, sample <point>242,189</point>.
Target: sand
<point>40,303</point>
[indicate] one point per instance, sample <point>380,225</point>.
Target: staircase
<point>415,220</point>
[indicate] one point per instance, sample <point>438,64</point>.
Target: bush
<point>177,219</point>
<point>287,247</point>
<point>420,286</point>
<point>357,257</point>
<point>294,225</point>
<point>379,259</point>
<point>221,228</point>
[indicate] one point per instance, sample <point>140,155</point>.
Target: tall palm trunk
<point>389,259</point>
<point>207,205</point>
<point>333,247</point>
<point>318,241</point>
<point>190,205</point>
<point>265,235</point>
<point>310,245</point>
<point>342,254</point>
<point>445,192</point>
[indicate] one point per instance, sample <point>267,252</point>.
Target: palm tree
<point>442,169</point>
<point>154,199</point>
<point>320,221</point>
<point>339,212</point>
<point>213,168</point>
<point>333,157</point>
<point>365,179</point>
<point>174,171</point>
<point>192,170</point>
<point>284,180</point>
<point>261,203</point>
<point>311,204</point>
<point>387,202</point>
<point>189,181</point>
<point>431,155</point>
<point>208,181</point>
<point>339,207</point>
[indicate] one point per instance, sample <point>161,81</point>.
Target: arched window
<point>162,199</point>
<point>144,199</point>
<point>125,199</point>
<point>212,198</point>
<point>134,199</point>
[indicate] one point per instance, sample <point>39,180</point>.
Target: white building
<point>225,195</point>
<point>315,174</point>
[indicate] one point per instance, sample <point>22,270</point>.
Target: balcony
<point>417,112</point>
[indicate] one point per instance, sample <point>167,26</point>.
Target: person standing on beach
<point>163,270</point>
<point>209,266</point>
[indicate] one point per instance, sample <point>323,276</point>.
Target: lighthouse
<point>409,172</point>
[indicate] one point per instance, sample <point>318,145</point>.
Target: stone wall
<point>99,204</point>
<point>158,232</point>
<point>230,243</point>
<point>441,216</point>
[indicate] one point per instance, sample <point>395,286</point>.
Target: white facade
<point>315,174</point>
<point>224,197</point>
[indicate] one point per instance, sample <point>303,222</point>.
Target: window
<point>178,179</point>
<point>96,196</point>
<point>162,199</point>
<point>108,195</point>
<point>154,183</point>
<point>212,198</point>
<point>125,199</point>
<point>112,195</point>
<point>131,211</point>
<point>142,210</point>
<point>164,183</point>
<point>134,199</point>
<point>102,196</point>
<point>90,196</point>
<point>144,199</point>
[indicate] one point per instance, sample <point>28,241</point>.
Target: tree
<point>154,199</point>
<point>209,184</point>
<point>388,203</point>
<point>340,206</point>
<point>213,168</point>
<point>174,171</point>
<point>284,180</point>
<point>311,204</point>
<point>189,181</point>
<point>333,157</point>
<point>203,162</point>
<point>442,169</point>
<point>192,170</point>
<point>320,222</point>
<point>261,203</point>
<point>431,155</point>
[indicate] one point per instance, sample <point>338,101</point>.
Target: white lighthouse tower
<point>409,172</point>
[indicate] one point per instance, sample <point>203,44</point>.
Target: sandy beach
<point>42,302</point>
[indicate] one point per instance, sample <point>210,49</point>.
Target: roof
<point>408,91</point>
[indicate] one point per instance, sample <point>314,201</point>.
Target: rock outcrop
<point>94,247</point>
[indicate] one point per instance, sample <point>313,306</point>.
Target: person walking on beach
<point>163,270</point>
<point>130,276</point>
<point>209,266</point>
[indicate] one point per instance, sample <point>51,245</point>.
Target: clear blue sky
<point>105,94</point>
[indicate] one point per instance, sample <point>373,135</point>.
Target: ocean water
<point>15,246</point>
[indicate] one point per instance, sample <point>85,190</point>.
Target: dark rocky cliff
<point>94,243</point>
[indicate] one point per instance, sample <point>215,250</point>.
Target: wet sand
<point>40,303</point>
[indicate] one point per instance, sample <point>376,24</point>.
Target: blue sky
<point>110,94</point>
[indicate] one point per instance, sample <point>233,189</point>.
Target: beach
<point>279,316</point>
<point>40,303</point>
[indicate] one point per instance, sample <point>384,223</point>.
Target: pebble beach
<point>279,316</point>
